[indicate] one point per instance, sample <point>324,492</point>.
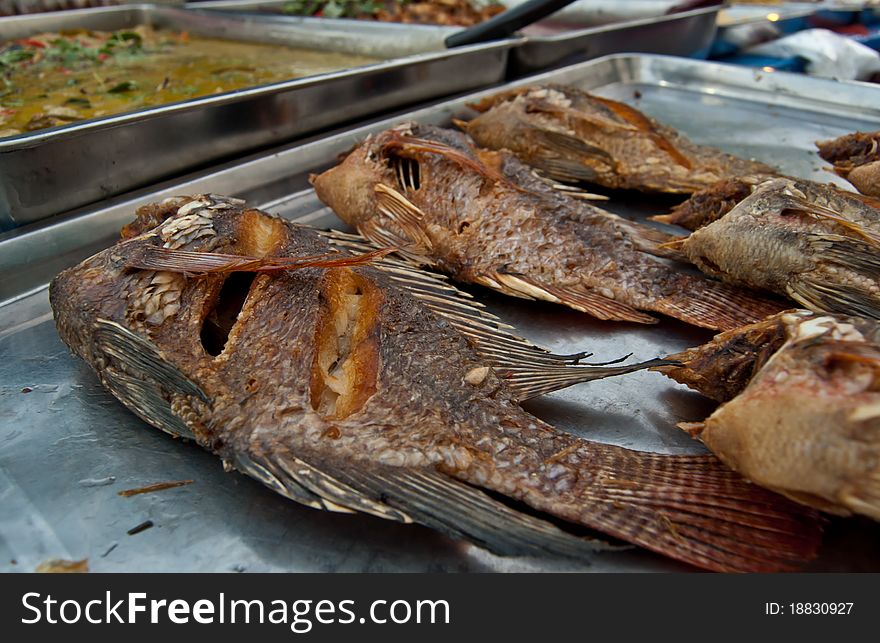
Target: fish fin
<point>668,219</point>
<point>150,257</point>
<point>145,399</point>
<point>847,252</point>
<point>653,241</point>
<point>663,137</point>
<point>460,510</point>
<point>577,297</point>
<point>816,211</point>
<point>529,382</point>
<point>692,508</point>
<point>716,305</point>
<point>332,493</point>
<point>487,103</point>
<point>561,169</point>
<point>405,231</point>
<point>574,192</point>
<point>561,143</point>
<point>280,484</point>
<point>142,356</point>
<point>821,296</point>
<point>518,361</point>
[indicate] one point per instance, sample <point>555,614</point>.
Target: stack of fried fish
<point>350,379</point>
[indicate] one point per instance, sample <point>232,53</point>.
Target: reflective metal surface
<point>54,170</point>
<point>68,447</point>
<point>569,36</point>
<point>680,34</point>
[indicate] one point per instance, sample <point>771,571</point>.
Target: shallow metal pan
<point>564,38</point>
<point>51,171</point>
<point>687,33</point>
<point>67,436</point>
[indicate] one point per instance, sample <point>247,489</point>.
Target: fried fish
<point>856,157</point>
<point>802,407</point>
<point>372,388</point>
<point>816,244</point>
<point>573,136</point>
<point>485,218</point>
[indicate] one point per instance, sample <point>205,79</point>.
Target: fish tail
<point>712,304</point>
<point>723,367</point>
<point>655,242</point>
<point>691,508</point>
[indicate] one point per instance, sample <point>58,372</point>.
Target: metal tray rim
<point>624,24</point>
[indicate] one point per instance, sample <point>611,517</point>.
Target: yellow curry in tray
<point>52,79</point>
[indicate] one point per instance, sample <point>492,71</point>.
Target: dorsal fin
<point>527,369</point>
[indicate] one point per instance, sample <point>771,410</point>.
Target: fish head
<point>350,187</point>
<point>807,424</point>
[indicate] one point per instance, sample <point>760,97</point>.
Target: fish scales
<point>813,243</point>
<point>801,412</point>
<point>485,218</point>
<point>574,136</point>
<point>339,389</point>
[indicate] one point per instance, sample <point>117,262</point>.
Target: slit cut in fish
<point>222,315</point>
<point>418,426</point>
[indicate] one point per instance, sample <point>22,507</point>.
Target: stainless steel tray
<point>51,171</point>
<point>681,34</point>
<point>67,436</point>
<point>564,38</point>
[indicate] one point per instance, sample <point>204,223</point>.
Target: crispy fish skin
<point>484,218</point>
<point>574,136</point>
<point>810,242</point>
<point>856,157</point>
<point>340,390</point>
<point>805,420</point>
<point>711,203</point>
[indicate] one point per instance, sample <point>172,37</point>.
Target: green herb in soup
<point>52,79</point>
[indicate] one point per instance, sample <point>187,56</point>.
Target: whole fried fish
<point>485,218</point>
<point>368,389</point>
<point>816,244</point>
<point>802,411</point>
<point>574,136</point>
<point>856,157</point>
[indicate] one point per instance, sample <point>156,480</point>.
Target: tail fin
<point>691,508</point>
<point>723,367</point>
<point>711,203</point>
<point>653,241</point>
<point>712,304</point>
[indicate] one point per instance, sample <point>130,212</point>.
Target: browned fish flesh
<point>573,136</point>
<point>711,203</point>
<point>371,388</point>
<point>856,157</point>
<point>816,244</point>
<point>485,218</point>
<point>802,407</point>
